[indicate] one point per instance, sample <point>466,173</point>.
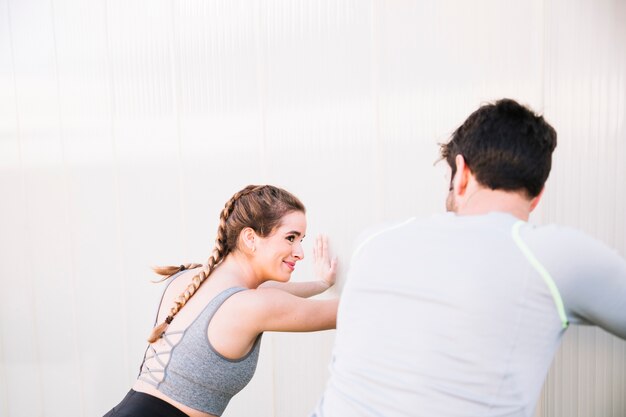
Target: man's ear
<point>462,176</point>
<point>535,200</point>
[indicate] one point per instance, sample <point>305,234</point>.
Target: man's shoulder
<point>384,229</point>
<point>568,244</point>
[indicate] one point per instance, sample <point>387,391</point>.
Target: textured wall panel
<point>21,367</point>
<point>433,66</point>
<point>126,125</point>
<point>585,93</point>
<point>45,343</point>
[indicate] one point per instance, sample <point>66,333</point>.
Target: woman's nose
<point>297,252</point>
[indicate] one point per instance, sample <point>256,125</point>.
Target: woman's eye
<point>291,238</point>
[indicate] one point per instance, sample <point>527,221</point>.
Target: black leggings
<point>139,404</point>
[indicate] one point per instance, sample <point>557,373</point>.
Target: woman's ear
<point>248,238</point>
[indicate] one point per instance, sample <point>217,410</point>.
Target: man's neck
<point>482,200</point>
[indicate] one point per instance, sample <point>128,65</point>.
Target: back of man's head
<point>506,146</point>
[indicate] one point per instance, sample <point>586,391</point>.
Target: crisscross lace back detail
<point>157,357</point>
<point>183,364</point>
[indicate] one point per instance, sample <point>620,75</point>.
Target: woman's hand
<point>325,267</point>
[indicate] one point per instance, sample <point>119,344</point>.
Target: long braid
<point>168,271</point>
<point>220,251</point>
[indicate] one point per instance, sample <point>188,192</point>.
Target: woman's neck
<point>237,267</point>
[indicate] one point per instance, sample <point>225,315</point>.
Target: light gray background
<point>126,125</point>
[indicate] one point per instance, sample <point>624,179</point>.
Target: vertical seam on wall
<point>261,76</point>
<point>618,237</point>
<point>378,147</point>
<point>24,199</point>
<point>69,225</point>
<point>116,185</point>
<point>25,204</point>
<point>176,100</point>
<point>544,67</point>
<point>4,397</point>
<point>261,72</point>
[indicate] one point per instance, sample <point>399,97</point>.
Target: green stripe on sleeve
<point>556,296</point>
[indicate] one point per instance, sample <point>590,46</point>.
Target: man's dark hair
<point>506,146</point>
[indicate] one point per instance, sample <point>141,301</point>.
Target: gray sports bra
<point>196,374</point>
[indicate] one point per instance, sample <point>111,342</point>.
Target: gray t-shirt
<point>461,315</point>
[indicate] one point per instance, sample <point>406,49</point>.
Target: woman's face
<point>277,254</point>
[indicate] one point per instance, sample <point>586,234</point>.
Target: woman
<point>201,355</point>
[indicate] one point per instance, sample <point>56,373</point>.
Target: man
<point>460,314</point>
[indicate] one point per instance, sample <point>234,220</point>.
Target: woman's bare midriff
<point>149,389</point>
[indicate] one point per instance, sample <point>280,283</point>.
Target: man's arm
<point>590,276</point>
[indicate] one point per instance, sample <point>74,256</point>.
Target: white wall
<point>126,125</point>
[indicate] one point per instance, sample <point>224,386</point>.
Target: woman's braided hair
<point>260,207</point>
